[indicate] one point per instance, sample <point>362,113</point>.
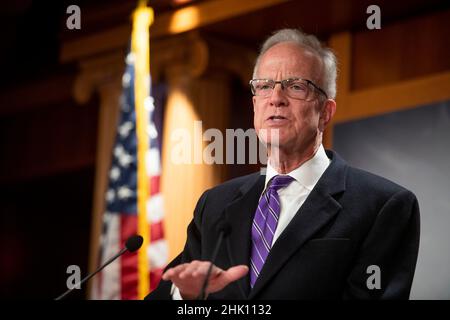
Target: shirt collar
<point>306,174</point>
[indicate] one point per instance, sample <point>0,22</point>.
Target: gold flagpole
<point>140,47</point>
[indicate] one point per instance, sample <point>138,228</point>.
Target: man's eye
<point>263,87</point>
<point>297,87</point>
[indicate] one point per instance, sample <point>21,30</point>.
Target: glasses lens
<point>262,87</point>
<point>297,89</point>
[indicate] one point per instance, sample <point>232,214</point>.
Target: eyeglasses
<point>296,88</point>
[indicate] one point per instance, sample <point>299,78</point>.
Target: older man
<point>311,228</point>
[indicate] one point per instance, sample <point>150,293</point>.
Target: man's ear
<point>327,114</point>
<point>254,103</point>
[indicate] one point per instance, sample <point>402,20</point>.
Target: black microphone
<point>224,230</point>
<point>132,244</point>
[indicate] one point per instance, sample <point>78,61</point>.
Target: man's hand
<point>189,277</point>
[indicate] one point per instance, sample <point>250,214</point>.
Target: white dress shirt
<point>293,196</point>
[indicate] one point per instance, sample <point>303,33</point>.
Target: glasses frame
<point>283,82</point>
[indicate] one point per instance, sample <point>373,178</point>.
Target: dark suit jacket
<point>351,220</point>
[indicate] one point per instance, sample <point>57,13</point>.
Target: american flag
<point>120,280</point>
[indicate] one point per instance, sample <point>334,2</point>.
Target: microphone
<point>132,244</point>
<point>224,230</point>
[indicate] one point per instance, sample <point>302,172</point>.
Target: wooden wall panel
<point>403,50</point>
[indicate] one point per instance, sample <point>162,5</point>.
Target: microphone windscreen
<point>134,243</point>
<point>225,227</point>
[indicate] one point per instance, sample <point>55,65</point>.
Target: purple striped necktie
<point>265,223</point>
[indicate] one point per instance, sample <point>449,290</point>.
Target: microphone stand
<point>92,274</point>
<point>202,295</point>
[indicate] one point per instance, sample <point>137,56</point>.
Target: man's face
<point>297,122</point>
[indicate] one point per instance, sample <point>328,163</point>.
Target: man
<point>311,228</point>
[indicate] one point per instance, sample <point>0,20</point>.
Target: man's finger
<point>202,269</point>
<point>193,269</point>
<point>170,273</point>
<point>224,278</point>
<point>235,273</point>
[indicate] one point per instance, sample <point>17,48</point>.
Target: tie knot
<point>280,181</point>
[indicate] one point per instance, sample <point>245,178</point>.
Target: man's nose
<point>278,96</point>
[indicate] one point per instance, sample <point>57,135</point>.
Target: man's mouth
<point>276,118</point>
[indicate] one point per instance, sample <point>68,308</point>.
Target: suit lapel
<point>239,214</point>
<point>318,209</point>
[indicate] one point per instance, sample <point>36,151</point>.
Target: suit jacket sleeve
<point>192,251</point>
<point>392,245</point>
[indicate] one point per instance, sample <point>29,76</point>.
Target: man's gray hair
<point>311,43</point>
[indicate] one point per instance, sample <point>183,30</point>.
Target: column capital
<point>99,74</point>
<point>192,55</point>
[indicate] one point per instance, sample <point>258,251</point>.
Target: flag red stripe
<point>154,184</point>
<point>156,231</point>
<point>129,261</point>
<point>155,277</point>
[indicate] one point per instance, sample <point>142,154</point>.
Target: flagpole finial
<point>143,15</point>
